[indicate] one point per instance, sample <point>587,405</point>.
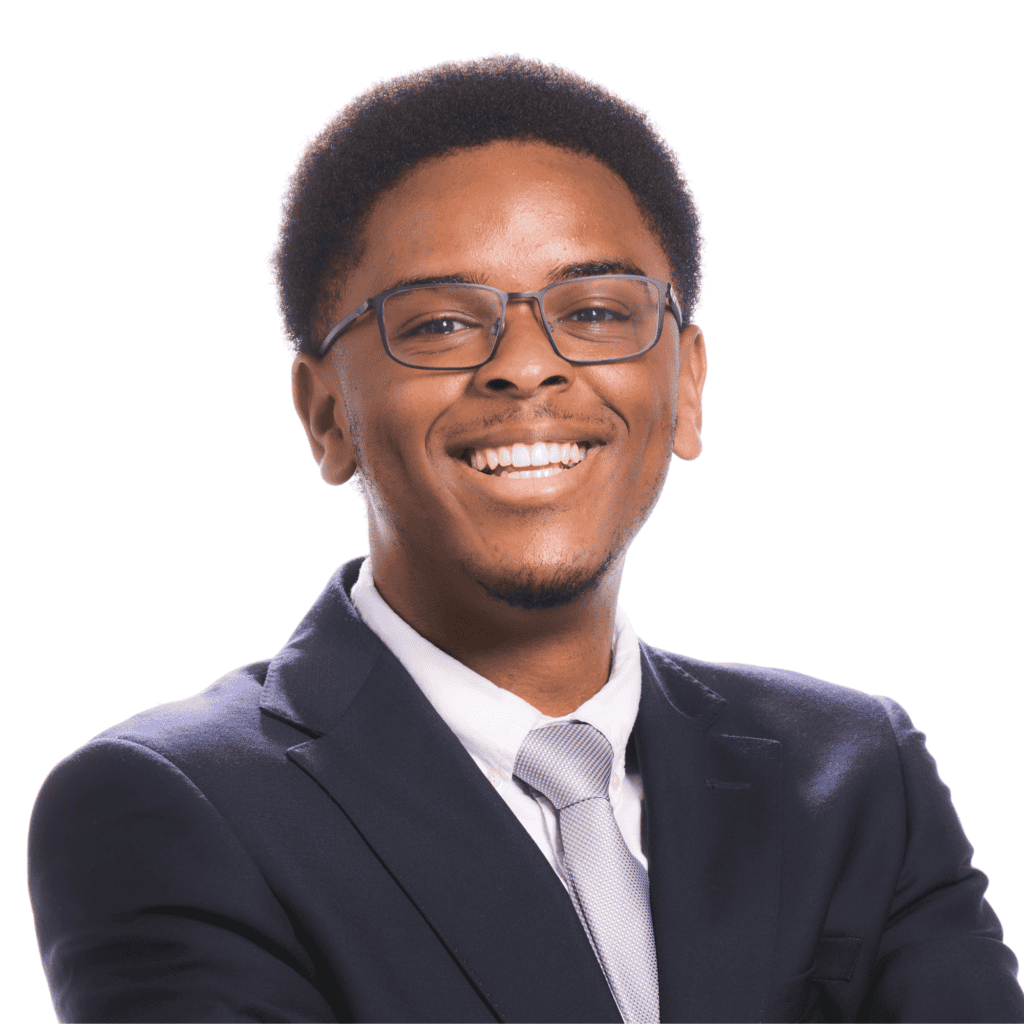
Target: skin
<point>444,537</point>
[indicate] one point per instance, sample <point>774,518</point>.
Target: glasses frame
<point>665,294</point>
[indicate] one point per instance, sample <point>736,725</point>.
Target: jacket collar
<point>314,678</point>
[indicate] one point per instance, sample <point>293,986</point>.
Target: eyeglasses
<point>602,319</point>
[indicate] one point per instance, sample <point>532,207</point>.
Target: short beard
<point>526,589</point>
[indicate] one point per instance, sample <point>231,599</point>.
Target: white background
<point>856,512</point>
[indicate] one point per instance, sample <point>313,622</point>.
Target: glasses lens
<point>441,325</point>
<point>597,318</point>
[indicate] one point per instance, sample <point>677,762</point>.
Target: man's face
<point>516,216</point>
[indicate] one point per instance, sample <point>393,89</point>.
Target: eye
<point>440,325</point>
<point>596,315</point>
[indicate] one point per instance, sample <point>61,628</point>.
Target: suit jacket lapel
<point>416,797</point>
<point>712,809</point>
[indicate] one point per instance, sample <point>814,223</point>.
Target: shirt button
<point>615,780</point>
<point>495,776</point>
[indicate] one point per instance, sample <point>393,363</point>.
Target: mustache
<point>534,414</point>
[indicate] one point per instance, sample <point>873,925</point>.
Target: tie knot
<point>567,763</point>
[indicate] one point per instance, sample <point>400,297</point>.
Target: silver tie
<point>571,764</point>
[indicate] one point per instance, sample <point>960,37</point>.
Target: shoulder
<point>231,741</point>
<point>199,773</point>
<point>839,748</point>
<point>798,710</point>
<point>210,742</point>
<point>225,716</point>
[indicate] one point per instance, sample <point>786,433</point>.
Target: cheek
<point>651,421</point>
<point>646,402</point>
<point>392,413</point>
<point>663,398</point>
<point>372,414</point>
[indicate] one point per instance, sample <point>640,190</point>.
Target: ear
<point>319,403</point>
<point>693,368</point>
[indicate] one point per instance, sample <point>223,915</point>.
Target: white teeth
<point>520,455</point>
<point>554,455</point>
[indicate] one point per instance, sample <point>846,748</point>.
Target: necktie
<point>570,764</point>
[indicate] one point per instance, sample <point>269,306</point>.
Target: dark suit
<point>306,840</point>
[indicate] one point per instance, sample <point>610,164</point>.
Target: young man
<point>465,790</point>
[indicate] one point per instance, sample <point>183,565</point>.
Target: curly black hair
<point>387,131</point>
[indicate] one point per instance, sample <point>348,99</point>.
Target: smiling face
<point>446,514</point>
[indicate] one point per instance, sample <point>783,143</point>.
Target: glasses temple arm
<point>339,328</point>
<point>674,307</point>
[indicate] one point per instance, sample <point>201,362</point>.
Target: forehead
<point>507,214</point>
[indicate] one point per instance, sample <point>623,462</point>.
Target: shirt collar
<point>491,723</point>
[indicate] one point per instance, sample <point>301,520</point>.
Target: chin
<point>542,586</point>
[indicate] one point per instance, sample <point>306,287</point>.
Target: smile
<point>527,461</point>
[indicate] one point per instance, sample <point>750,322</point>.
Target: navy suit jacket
<point>307,840</point>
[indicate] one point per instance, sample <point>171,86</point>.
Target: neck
<point>554,658</point>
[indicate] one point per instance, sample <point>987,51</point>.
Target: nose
<point>524,361</point>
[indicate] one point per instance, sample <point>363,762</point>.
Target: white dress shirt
<point>491,723</point>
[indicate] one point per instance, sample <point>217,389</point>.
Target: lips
<point>527,461</point>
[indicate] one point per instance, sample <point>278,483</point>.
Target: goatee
<point>528,588</point>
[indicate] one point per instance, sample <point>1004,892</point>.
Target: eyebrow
<point>563,272</point>
<point>595,268</point>
<point>409,282</point>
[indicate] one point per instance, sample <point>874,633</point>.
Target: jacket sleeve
<point>147,906</point>
<point>941,957</point>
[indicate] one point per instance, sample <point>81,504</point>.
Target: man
<point>465,790</point>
